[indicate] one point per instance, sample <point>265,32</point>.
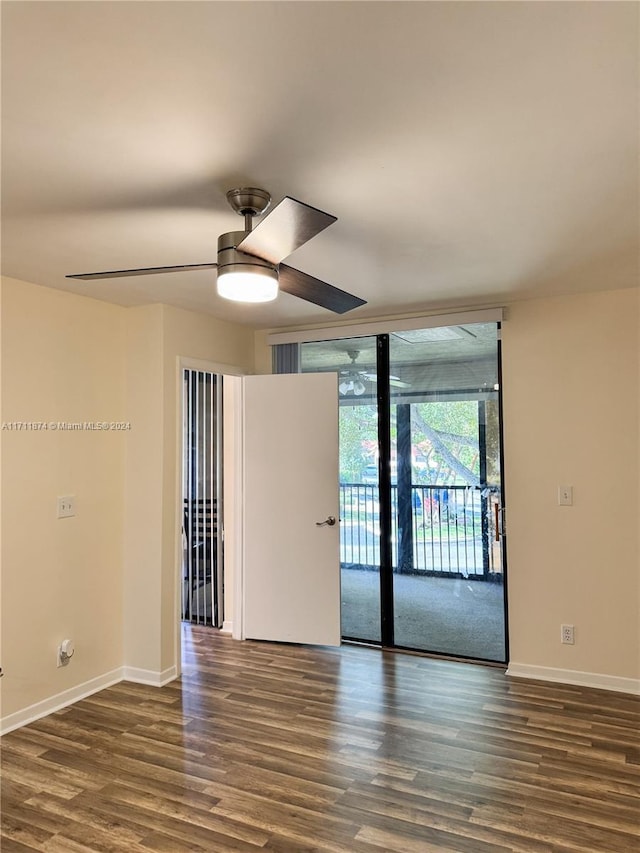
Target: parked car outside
<point>370,475</point>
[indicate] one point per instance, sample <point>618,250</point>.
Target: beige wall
<point>571,417</point>
<point>143,513</point>
<point>158,336</point>
<point>108,577</point>
<point>262,354</point>
<point>62,360</point>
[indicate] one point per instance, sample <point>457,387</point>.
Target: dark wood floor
<point>292,749</point>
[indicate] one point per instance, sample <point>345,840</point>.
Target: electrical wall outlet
<point>67,506</point>
<point>565,495</point>
<point>567,634</point>
<point>66,651</point>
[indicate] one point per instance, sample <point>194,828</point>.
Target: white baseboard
<point>572,676</point>
<point>149,676</point>
<point>58,701</point>
<point>159,679</point>
<point>227,627</point>
<point>81,691</point>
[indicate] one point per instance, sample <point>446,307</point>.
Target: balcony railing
<point>453,531</point>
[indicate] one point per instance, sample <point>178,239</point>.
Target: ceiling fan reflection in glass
<point>353,379</point>
<point>352,386</point>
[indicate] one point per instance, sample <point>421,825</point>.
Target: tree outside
<point>445,443</point>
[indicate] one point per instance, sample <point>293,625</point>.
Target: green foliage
<point>457,417</point>
<point>358,441</point>
<point>446,434</point>
<point>444,441</point>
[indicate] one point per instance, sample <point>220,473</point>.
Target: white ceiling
<point>472,152</point>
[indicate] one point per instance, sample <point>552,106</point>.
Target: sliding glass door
<point>355,361</point>
<point>420,484</point>
<point>447,497</point>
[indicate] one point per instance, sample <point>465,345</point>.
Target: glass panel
<point>355,362</point>
<point>446,492</point>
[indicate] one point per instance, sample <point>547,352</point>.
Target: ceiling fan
<point>354,379</point>
<point>249,262</point>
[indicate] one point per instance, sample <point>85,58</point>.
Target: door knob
<point>329,521</point>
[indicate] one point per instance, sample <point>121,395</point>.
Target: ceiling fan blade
<point>393,380</point>
<point>89,276</point>
<point>290,224</point>
<point>319,292</point>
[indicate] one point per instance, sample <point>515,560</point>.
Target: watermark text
<point>66,426</point>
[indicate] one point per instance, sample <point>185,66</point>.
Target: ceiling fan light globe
<point>248,286</point>
<point>359,388</point>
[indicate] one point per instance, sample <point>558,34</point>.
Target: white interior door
<point>291,565</point>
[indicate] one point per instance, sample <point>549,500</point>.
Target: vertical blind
<point>201,489</point>
<point>285,358</point>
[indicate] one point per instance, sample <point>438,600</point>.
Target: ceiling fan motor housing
<point>231,260</point>
<point>250,201</point>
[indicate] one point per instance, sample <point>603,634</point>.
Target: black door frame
<point>385,491</point>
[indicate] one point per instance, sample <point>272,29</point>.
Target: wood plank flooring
<point>292,750</point>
